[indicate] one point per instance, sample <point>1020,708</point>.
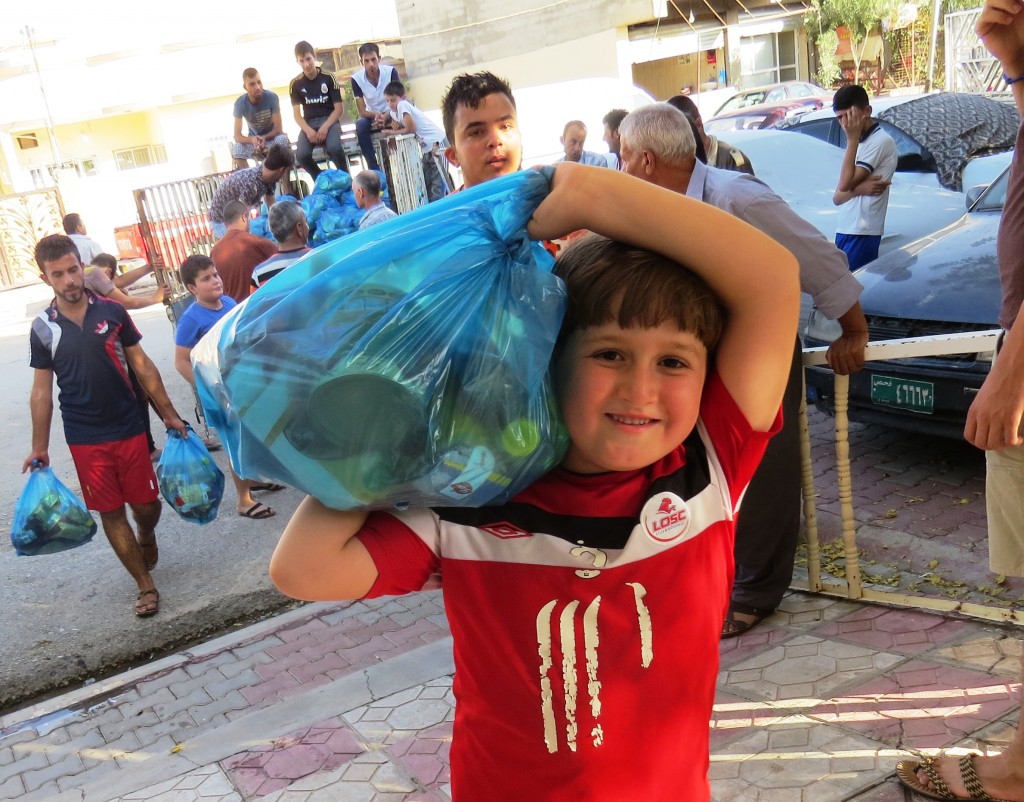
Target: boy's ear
<point>452,156</point>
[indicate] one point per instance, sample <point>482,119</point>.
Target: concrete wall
<point>514,39</point>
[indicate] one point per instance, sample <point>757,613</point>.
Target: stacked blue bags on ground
<point>404,364</point>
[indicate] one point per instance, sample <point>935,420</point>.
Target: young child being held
<point>586,612</point>
<point>200,278</point>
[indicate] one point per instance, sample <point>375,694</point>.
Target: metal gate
<point>969,65</point>
<point>175,222</point>
<point>25,218</point>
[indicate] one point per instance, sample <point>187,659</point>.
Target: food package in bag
<point>190,480</point>
<point>48,517</point>
<point>406,364</point>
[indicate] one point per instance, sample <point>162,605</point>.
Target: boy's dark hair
<point>368,47</point>
<point>233,210</point>
<point>71,222</point>
<point>105,260</point>
<point>470,90</point>
<point>849,96</point>
<point>278,156</point>
<point>54,248</point>
<point>249,72</point>
<point>192,267</point>
<point>609,281</point>
<point>304,47</point>
<point>395,89</point>
<point>685,105</point>
<point>614,118</point>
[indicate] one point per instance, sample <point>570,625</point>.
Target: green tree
<point>859,17</point>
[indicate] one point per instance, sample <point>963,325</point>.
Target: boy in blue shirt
<point>199,276</point>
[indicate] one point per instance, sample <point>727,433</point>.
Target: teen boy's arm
<point>754,276</point>
<point>853,121</point>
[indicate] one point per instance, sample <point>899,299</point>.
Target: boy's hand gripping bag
<point>189,479</point>
<point>48,517</point>
<point>403,364</point>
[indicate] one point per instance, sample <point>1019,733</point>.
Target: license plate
<point>908,394</point>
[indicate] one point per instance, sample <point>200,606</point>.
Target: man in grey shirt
<point>366,188</point>
<point>657,145</point>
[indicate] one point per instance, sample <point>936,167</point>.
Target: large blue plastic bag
<point>48,517</point>
<point>403,364</point>
<point>190,480</point>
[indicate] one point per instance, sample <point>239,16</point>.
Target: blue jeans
<point>364,134</point>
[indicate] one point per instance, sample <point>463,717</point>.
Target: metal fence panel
<point>24,219</point>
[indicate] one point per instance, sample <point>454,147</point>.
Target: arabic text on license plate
<point>906,394</point>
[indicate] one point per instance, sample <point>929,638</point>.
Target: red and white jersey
<point>586,615</point>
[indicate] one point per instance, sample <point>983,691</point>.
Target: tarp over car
<point>956,127</point>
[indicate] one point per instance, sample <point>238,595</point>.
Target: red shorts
<point>116,473</point>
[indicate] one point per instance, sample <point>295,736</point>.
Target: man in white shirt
<point>862,193</point>
<point>368,86</point>
<point>88,248</point>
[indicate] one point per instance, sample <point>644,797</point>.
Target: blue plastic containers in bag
<point>189,479</point>
<point>48,517</point>
<point>404,364</point>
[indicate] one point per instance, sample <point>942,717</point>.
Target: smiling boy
<point>586,612</point>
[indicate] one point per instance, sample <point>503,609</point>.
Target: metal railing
<point>853,587</point>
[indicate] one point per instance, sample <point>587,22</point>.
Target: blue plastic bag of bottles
<point>190,480</point>
<point>403,364</point>
<point>48,517</point>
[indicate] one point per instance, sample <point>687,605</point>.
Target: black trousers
<point>769,517</point>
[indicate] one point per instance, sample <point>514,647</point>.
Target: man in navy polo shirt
<point>88,342</point>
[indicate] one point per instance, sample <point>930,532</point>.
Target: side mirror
<point>974,193</point>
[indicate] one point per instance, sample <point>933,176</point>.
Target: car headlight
<point>820,328</point>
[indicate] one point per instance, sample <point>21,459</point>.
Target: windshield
<point>742,100</point>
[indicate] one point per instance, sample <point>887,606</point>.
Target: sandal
<point>266,486</point>
<point>150,554</point>
<point>258,512</point>
<point>144,609</point>
<point>906,773</point>
<point>742,619</point>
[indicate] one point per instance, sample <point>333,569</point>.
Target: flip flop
<point>266,486</point>
<point>144,609</point>
<point>906,773</point>
<point>258,512</point>
<point>734,626</point>
<point>150,554</point>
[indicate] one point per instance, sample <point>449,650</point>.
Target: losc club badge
<point>666,519</point>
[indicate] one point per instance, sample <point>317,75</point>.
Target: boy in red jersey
<point>586,612</point>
